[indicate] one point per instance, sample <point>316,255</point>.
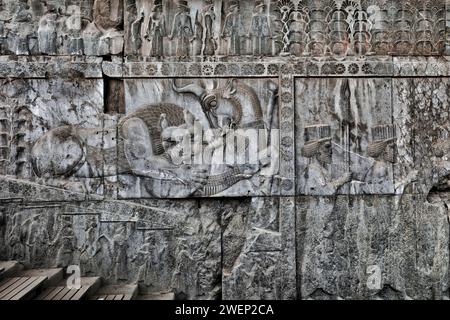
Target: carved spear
<point>345,98</point>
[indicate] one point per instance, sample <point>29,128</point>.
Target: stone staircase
<point>50,284</point>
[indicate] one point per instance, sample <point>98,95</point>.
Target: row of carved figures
<point>284,28</point>
<point>196,36</point>
<point>91,27</point>
<point>273,27</point>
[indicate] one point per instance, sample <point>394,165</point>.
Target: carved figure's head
<point>209,8</point>
<point>318,143</point>
<point>234,6</point>
<point>157,6</point>
<point>383,143</point>
<point>260,6</point>
<point>183,5</point>
<point>57,153</point>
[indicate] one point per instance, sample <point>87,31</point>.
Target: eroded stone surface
<point>373,247</point>
<point>117,118</point>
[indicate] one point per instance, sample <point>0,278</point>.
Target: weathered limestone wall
<point>229,149</point>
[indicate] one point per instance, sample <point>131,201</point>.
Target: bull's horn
<point>190,88</point>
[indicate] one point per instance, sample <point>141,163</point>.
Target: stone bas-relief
<point>237,149</point>
<point>217,28</point>
<point>403,238</point>
<point>421,107</point>
<point>208,138</point>
<point>370,136</point>
<point>162,245</point>
<point>346,134</point>
<point>205,28</point>
<point>178,138</point>
<point>31,110</point>
<point>56,28</point>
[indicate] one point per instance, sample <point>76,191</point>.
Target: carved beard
<point>325,155</point>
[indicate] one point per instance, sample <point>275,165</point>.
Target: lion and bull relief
<point>178,138</point>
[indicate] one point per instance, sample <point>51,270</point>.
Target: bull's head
<point>210,96</point>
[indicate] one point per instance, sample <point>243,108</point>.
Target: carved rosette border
<point>287,126</point>
<point>95,68</point>
<point>302,67</point>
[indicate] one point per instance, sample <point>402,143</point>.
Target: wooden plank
<point>80,294</point>
<point>17,288</point>
<point>13,286</point>
<point>70,294</point>
<point>127,297</point>
<point>55,291</point>
<point>119,297</point>
<point>54,276</point>
<point>44,293</point>
<point>31,287</point>
<point>110,297</point>
<point>61,294</point>
<point>7,282</point>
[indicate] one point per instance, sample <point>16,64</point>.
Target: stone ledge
<point>50,66</point>
<point>96,67</point>
<point>301,67</point>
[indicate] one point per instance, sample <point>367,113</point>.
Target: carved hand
<point>347,177</point>
<point>195,176</point>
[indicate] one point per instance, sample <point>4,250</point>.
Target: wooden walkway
<point>62,292</point>
<point>121,292</point>
<point>49,284</point>
<point>18,288</point>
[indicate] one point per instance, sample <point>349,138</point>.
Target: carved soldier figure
<point>23,18</point>
<point>318,149</point>
<point>156,30</point>
<point>120,257</point>
<point>382,149</point>
<point>260,30</point>
<point>232,29</point>
<point>88,248</point>
<point>108,14</point>
<point>136,39</point>
<point>47,34</point>
<point>182,29</point>
<point>209,47</point>
<point>197,41</point>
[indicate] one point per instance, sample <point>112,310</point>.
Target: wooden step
<point>157,296</point>
<point>53,276</point>
<point>89,285</point>
<point>20,288</point>
<point>117,292</point>
<point>9,268</point>
<point>25,284</point>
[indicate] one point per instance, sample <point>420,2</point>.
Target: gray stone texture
<point>348,197</point>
